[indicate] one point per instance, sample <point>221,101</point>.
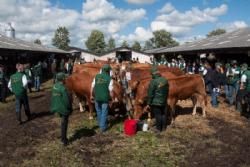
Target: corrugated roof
<point>123,47</point>
<point>17,44</point>
<point>150,51</point>
<point>236,39</point>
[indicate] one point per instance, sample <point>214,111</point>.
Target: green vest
<point>60,101</point>
<point>17,84</point>
<point>247,84</point>
<point>1,77</point>
<point>27,73</point>
<point>101,88</point>
<point>38,70</point>
<point>158,91</point>
<point>237,76</point>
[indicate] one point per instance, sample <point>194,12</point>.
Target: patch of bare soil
<point>18,142</point>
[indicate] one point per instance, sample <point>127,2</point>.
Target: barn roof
<point>231,40</point>
<point>121,48</point>
<point>17,44</point>
<point>76,49</point>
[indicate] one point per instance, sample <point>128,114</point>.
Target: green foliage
<point>111,44</point>
<point>162,38</point>
<point>218,31</point>
<point>61,38</point>
<point>125,44</point>
<point>38,41</point>
<point>136,46</point>
<point>95,42</point>
<point>148,45</point>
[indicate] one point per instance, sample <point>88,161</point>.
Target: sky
<point>130,20</point>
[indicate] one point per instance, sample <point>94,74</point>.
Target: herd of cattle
<point>133,99</point>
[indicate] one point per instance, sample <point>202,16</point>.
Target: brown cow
<point>80,84</point>
<point>180,88</point>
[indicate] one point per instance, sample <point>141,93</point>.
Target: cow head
<point>117,93</point>
<point>138,109</point>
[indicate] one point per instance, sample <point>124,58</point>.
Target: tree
<point>61,38</point>
<point>111,44</point>
<point>125,44</point>
<point>96,42</point>
<point>162,38</point>
<point>218,31</point>
<point>38,41</point>
<point>148,45</point>
<point>136,46</point>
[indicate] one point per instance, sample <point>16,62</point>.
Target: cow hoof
<point>91,118</point>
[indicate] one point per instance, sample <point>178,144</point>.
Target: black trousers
<point>160,114</point>
<point>64,128</point>
<point>2,92</point>
<point>22,101</point>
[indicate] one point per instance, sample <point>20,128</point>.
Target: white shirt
<point>243,78</point>
<point>24,81</point>
<point>110,85</point>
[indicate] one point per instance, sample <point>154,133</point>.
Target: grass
<point>192,141</point>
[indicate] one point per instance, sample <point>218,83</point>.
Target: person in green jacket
<point>28,74</point>
<point>61,104</point>
<point>101,93</point>
<point>18,85</point>
<point>157,96</point>
<point>3,85</point>
<point>37,71</point>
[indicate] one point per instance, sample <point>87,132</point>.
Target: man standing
<point>2,85</point>
<point>28,74</point>
<point>234,81</point>
<point>101,92</point>
<point>61,104</point>
<point>215,82</point>
<point>17,84</point>
<point>157,97</point>
<point>37,75</point>
<point>244,87</point>
<point>62,66</point>
<point>53,70</point>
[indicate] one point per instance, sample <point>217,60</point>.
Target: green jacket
<point>27,72</point>
<point>17,84</point>
<point>247,84</point>
<point>37,71</point>
<point>158,91</point>
<point>1,77</point>
<point>60,100</point>
<point>101,88</point>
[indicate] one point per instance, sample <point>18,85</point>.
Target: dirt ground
<point>220,139</point>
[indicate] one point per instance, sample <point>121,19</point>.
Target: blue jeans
<point>102,114</point>
<point>25,102</point>
<point>231,93</point>
<point>37,83</point>
<point>214,96</point>
<point>210,88</point>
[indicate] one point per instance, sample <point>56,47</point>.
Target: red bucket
<point>130,127</point>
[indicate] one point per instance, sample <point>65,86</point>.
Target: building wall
<point>142,57</point>
<point>88,57</point>
<point>111,55</point>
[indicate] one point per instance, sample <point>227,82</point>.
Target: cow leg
<point>172,115</point>
<point>194,100</point>
<point>149,117</point>
<point>91,109</point>
<point>80,106</point>
<point>203,104</point>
